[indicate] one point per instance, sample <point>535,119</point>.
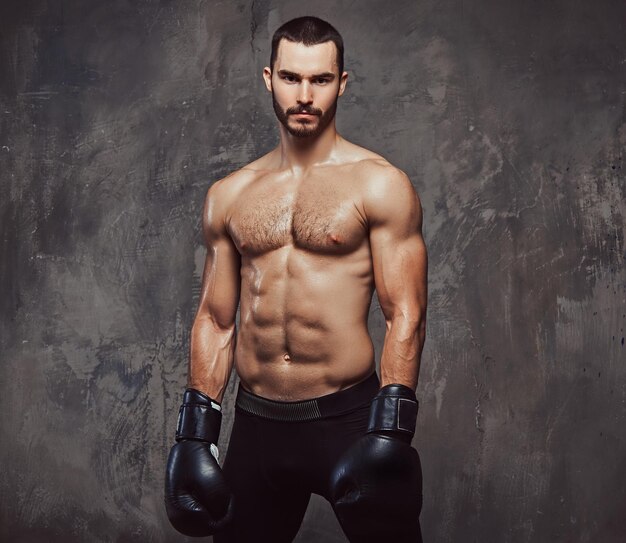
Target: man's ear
<point>342,83</point>
<point>267,76</point>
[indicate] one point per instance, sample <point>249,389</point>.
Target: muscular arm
<point>213,334</point>
<point>400,266</point>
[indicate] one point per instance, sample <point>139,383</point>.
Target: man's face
<point>305,79</point>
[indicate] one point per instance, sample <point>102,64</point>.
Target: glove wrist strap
<point>199,417</point>
<point>394,410</point>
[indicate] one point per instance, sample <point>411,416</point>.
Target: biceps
<point>221,279</point>
<point>400,273</point>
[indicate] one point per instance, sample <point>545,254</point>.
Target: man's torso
<point>306,275</point>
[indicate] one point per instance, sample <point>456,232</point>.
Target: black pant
<point>274,464</point>
<point>281,452</point>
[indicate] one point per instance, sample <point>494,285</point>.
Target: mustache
<point>310,111</point>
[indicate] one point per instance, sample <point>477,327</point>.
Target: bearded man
<point>300,238</point>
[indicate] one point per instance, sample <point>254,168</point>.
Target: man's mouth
<point>307,113</point>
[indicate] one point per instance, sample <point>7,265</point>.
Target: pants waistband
<point>321,407</point>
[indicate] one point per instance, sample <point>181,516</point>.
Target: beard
<point>305,130</point>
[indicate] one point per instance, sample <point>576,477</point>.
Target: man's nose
<point>305,94</point>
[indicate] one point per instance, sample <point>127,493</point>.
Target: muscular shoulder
<point>222,196</point>
<point>225,191</point>
<point>227,188</point>
<point>230,186</point>
<point>388,193</point>
<point>374,169</point>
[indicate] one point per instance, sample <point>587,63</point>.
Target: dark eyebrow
<point>287,72</point>
<point>329,75</point>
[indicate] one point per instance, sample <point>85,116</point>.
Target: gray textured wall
<point>509,118</point>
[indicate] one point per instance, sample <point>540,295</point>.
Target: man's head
<point>309,31</point>
<point>306,75</point>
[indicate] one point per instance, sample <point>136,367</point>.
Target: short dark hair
<point>309,31</point>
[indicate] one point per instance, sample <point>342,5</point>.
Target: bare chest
<point>317,216</point>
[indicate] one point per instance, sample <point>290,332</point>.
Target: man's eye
<point>322,81</point>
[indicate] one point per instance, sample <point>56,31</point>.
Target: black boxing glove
<point>376,487</point>
<point>197,498</point>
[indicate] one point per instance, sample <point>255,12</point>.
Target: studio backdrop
<point>509,119</point>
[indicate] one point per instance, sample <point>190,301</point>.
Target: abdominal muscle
<point>303,324</point>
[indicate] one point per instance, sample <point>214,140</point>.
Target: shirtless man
<point>301,237</point>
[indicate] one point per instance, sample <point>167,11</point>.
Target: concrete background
<point>509,118</point>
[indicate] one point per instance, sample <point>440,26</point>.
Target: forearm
<point>211,358</point>
<point>402,351</point>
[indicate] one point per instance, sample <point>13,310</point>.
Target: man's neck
<point>299,154</point>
